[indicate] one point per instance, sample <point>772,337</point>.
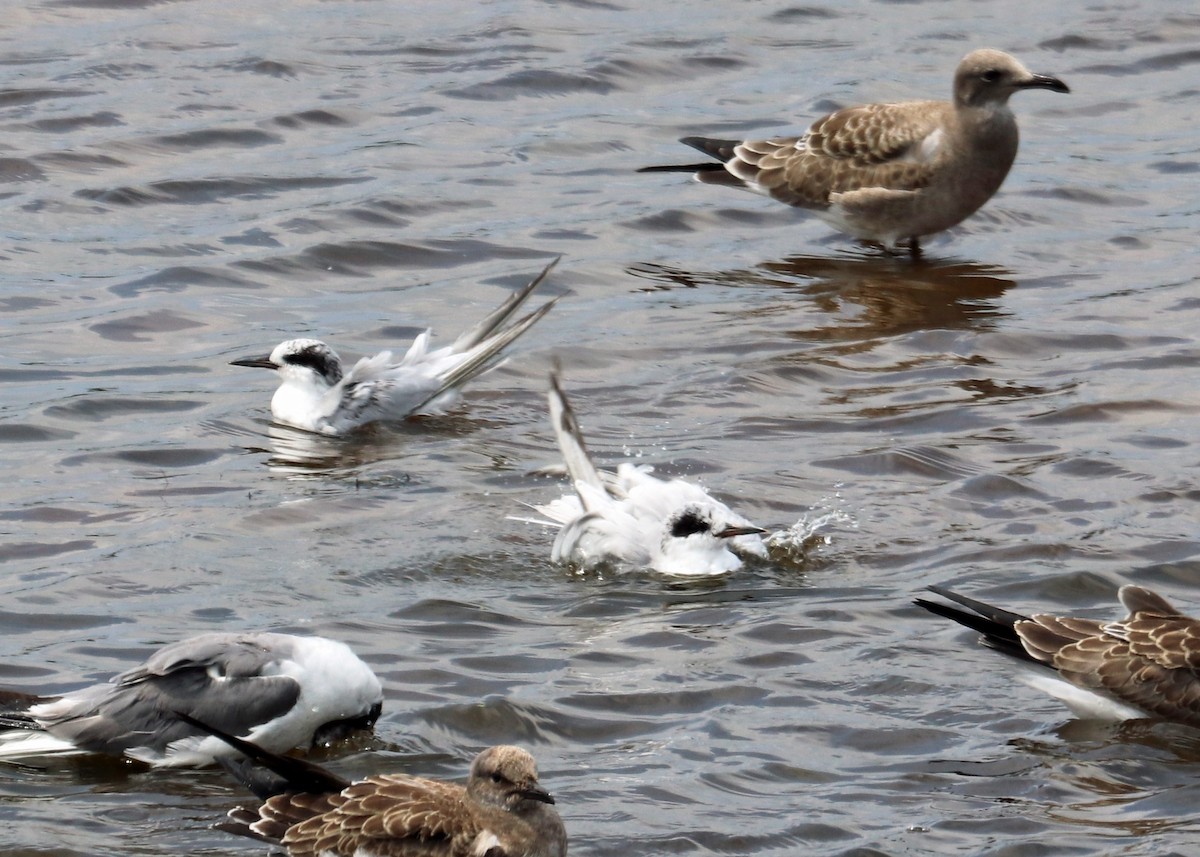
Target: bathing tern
<point>317,394</point>
<point>633,520</point>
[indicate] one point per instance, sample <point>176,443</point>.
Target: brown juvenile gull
<point>889,173</point>
<point>1146,665</point>
<point>501,812</point>
<point>280,690</point>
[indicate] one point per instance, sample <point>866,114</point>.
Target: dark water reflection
<point>875,296</point>
<point>1013,413</point>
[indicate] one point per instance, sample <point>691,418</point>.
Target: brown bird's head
<point>505,777</point>
<point>988,77</point>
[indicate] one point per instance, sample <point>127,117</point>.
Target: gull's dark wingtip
<point>296,774</point>
<point>722,150</point>
<point>681,168</point>
<point>996,626</point>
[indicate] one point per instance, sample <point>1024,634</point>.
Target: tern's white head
<point>300,361</point>
<point>697,542</point>
<point>308,369</point>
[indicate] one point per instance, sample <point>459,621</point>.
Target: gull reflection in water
<point>891,295</point>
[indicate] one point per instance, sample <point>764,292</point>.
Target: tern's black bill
<point>263,362</point>
<point>730,532</point>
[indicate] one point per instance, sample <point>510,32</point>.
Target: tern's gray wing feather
<point>571,444</point>
<point>379,398</point>
<point>216,678</point>
<point>379,388</point>
<point>595,539</point>
<point>502,313</point>
<point>142,715</point>
<point>228,654</point>
<point>483,356</point>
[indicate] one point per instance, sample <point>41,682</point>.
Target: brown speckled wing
<point>411,807</point>
<point>279,814</point>
<point>876,133</point>
<point>1148,660</point>
<point>868,147</point>
<point>1155,630</point>
<point>390,815</point>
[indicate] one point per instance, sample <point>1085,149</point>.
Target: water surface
<point>1014,415</point>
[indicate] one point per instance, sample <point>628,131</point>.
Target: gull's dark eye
<point>689,523</point>
<point>992,75</point>
<point>496,778</point>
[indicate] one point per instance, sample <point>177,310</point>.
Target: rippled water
<point>1015,414</point>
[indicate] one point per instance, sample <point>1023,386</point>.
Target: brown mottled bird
<point>1146,665</point>
<point>501,812</point>
<point>889,173</point>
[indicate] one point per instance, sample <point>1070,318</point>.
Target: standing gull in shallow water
<point>317,394</point>
<point>501,812</point>
<point>630,519</point>
<point>1146,665</point>
<point>279,690</point>
<point>889,173</point>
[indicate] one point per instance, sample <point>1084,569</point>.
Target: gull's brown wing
<point>873,147</point>
<point>393,815</point>
<point>1149,660</point>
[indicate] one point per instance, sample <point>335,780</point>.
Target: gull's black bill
<point>1045,81</point>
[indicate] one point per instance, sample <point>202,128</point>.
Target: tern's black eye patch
<point>320,359</point>
<point>689,523</point>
